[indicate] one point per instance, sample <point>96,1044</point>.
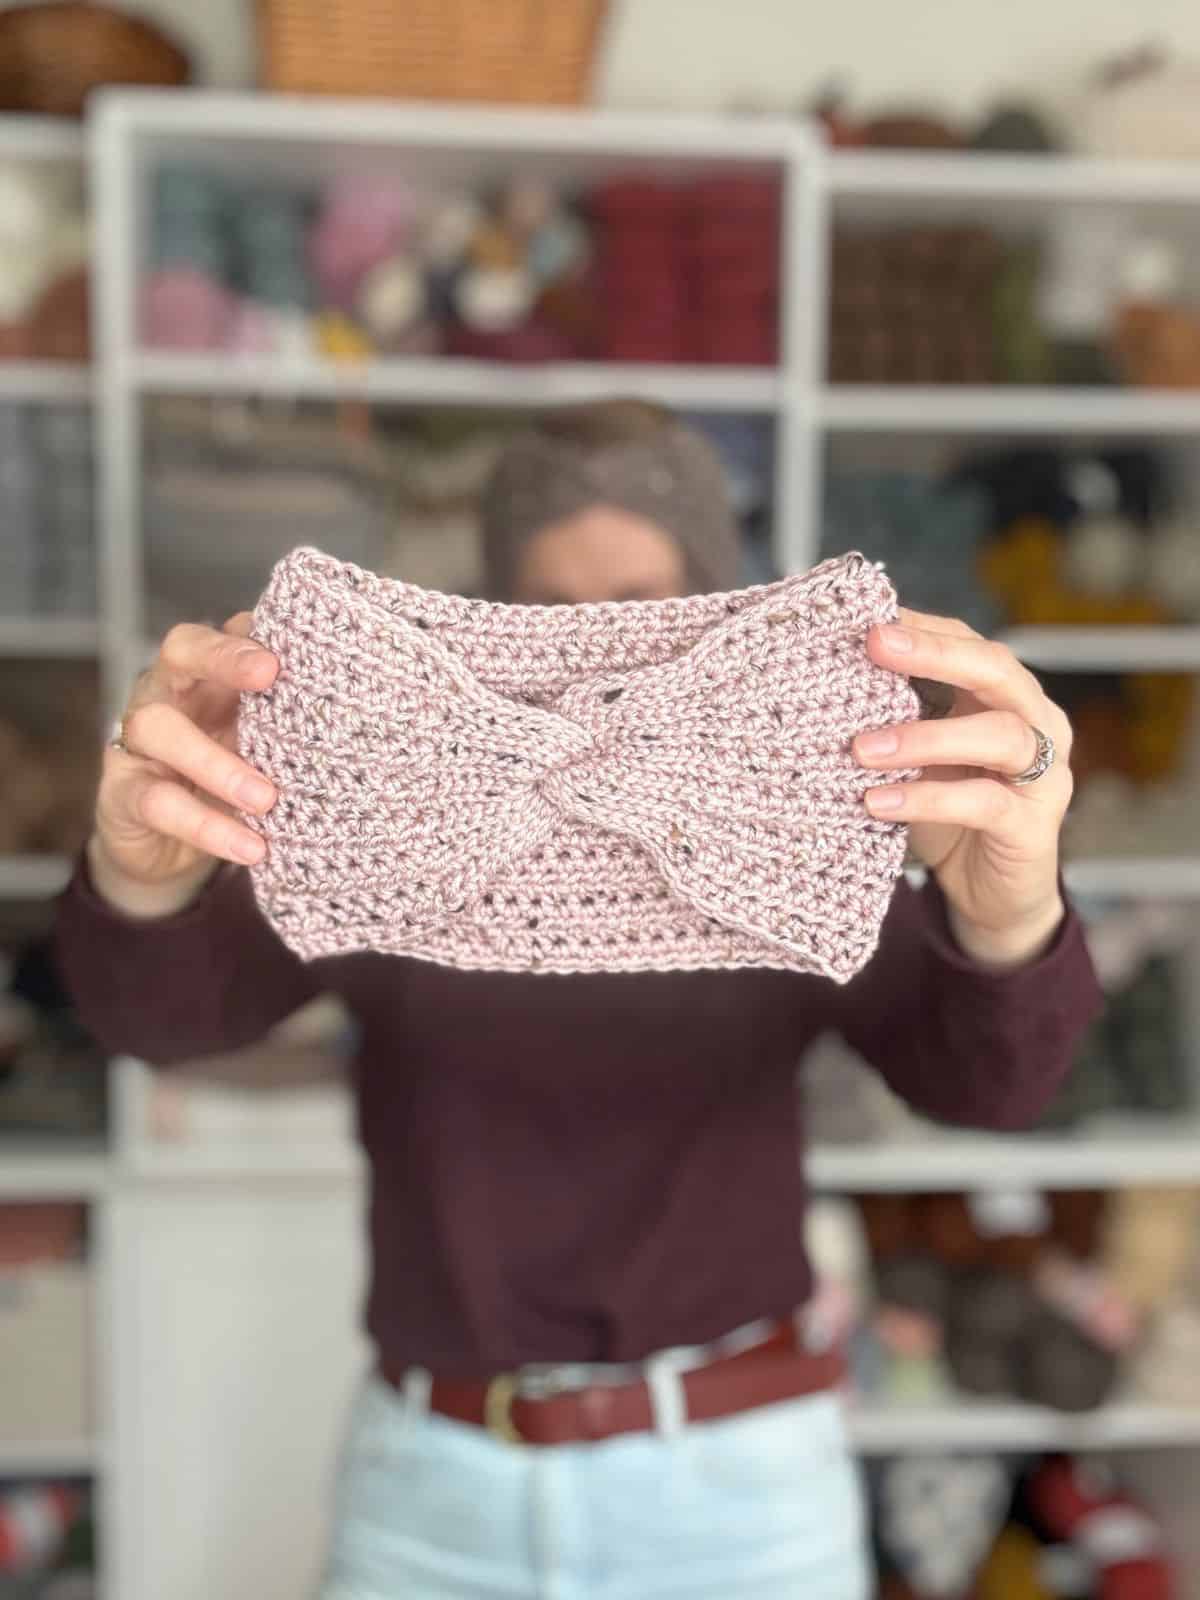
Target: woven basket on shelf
<point>531,51</point>
<point>53,55</point>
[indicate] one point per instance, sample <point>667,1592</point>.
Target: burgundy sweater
<point>586,1168</point>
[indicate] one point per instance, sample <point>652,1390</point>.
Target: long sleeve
<point>213,978</point>
<point>958,1042</point>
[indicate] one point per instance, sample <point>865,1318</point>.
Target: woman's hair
<point>627,454</point>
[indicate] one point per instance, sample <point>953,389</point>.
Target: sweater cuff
<point>1066,946</point>
<point>81,894</point>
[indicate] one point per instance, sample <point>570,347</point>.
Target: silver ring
<point>116,737</point>
<point>1042,761</point>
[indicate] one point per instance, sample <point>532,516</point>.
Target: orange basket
<point>53,56</point>
<point>533,52</point>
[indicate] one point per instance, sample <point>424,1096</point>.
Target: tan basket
<point>53,56</point>
<point>527,51</point>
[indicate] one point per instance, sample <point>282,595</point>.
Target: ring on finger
<point>1042,762</point>
<point>116,737</point>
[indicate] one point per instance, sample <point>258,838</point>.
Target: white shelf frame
<point>45,383</point>
<point>41,138</point>
<point>1172,648</point>
<point>1016,1428</point>
<point>53,1169</point>
<point>1144,1152</point>
<point>453,380</point>
<point>1018,409</point>
<point>130,129</point>
<point>51,638</point>
<point>32,877</point>
<point>50,1458</point>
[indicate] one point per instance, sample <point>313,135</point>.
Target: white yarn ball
<point>68,242</point>
<point>25,270</point>
<point>494,299</point>
<point>27,207</point>
<point>392,298</point>
<point>1103,556</point>
<point>1173,568</point>
<point>448,230</point>
<point>835,1241</point>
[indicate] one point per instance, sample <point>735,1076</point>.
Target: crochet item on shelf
<point>620,787</point>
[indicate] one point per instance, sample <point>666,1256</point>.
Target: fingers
<point>987,804</point>
<point>936,624</point>
<point>158,732</point>
<point>986,669</point>
<point>169,808</point>
<point>191,651</point>
<point>998,740</point>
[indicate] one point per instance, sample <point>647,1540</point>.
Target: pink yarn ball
<point>253,329</point>
<point>362,222</point>
<point>184,309</point>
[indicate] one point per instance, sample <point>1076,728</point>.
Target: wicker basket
<point>530,51</point>
<point>53,55</point>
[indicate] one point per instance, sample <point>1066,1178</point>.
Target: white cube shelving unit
<point>295,142</point>
<point>148,1193</point>
<point>42,383</point>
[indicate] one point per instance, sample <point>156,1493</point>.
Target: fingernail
<point>256,794</point>
<point>246,652</point>
<point>896,638</point>
<point>885,799</point>
<point>248,850</point>
<point>884,743</point>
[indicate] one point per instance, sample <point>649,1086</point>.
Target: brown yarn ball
<point>1077,1220</point>
<point>914,1283</point>
<point>989,1314</point>
<point>1061,1367</point>
<point>948,1229</point>
<point>911,130</point>
<point>61,325</point>
<point>889,1221</point>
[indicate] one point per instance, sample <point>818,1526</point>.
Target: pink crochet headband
<point>620,787</point>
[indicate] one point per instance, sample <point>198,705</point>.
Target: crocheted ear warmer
<point>618,787</point>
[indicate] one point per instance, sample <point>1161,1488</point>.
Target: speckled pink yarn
<point>651,784</point>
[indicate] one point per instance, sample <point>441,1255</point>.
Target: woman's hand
<point>164,811</point>
<point>993,847</point>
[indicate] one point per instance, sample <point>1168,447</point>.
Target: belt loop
<point>418,1388</point>
<point>668,1399</point>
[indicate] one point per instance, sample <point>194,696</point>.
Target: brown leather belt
<point>772,1370</point>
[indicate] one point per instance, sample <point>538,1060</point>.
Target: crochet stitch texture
<point>617,787</point>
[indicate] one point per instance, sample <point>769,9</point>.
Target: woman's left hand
<point>993,846</point>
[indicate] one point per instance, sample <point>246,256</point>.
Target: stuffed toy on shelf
<point>1007,1304</point>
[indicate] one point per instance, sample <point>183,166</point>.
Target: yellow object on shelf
<point>340,339</point>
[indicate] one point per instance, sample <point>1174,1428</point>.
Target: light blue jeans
<point>762,1506</point>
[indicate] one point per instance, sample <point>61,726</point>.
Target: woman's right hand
<point>165,810</point>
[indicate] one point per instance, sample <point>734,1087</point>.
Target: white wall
<point>711,53</point>
<point>960,52</point>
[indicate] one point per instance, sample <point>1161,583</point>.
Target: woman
<point>592,1375</point>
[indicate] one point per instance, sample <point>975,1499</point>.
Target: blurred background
<point>928,277</point>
